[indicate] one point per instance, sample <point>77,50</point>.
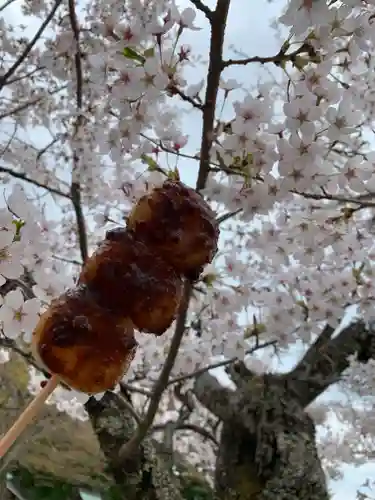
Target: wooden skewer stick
<point>27,415</point>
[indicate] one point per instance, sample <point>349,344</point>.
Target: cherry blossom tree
<point>90,119</point>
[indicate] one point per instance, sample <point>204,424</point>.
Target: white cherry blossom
<point>11,253</point>
<point>19,316</point>
<point>290,168</point>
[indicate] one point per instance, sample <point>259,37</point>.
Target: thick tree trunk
<point>267,449</point>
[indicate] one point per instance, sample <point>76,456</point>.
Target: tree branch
<point>228,215</point>
<point>20,107</point>
<point>75,194</point>
<point>203,8</point>
<point>327,358</point>
<point>340,199</point>
<point>75,190</point>
<point>23,177</point>
<point>29,47</point>
<point>176,91</point>
<point>6,4</point>
<point>213,78</point>
<point>132,388</point>
<point>129,448</point>
<point>219,364</point>
<point>68,261</point>
<point>10,344</point>
<point>26,75</point>
<point>218,20</point>
<point>277,59</point>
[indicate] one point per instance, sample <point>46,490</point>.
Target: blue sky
<point>248,29</point>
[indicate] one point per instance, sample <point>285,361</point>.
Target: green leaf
<point>130,53</point>
<point>149,52</point>
<point>19,223</point>
<point>152,165</point>
<point>208,279</point>
<point>174,175</point>
<point>150,162</point>
<point>301,62</point>
<point>255,330</point>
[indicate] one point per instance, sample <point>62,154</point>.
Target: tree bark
<point>143,476</point>
<point>267,448</point>
<point>328,357</point>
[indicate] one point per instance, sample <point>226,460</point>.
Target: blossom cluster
<point>292,168</point>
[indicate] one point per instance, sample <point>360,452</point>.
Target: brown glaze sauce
<point>133,279</point>
<point>177,224</point>
<point>86,346</point>
<point>128,279</point>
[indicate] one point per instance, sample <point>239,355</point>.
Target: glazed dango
<point>176,223</point>
<point>134,279</point>
<point>127,278</point>
<point>84,345</point>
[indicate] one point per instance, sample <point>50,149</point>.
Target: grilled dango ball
<point>128,279</point>
<point>84,345</point>
<point>176,222</point>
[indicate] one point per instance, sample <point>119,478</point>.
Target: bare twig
<point>219,364</point>
<point>11,345</point>
<point>341,199</point>
<point>23,177</point>
<point>228,215</point>
<point>42,151</point>
<point>256,59</point>
<point>20,107</point>
<point>26,75</point>
<point>68,261</point>
<point>176,91</point>
<point>10,140</point>
<point>203,8</point>
<point>6,4</point>
<point>30,45</point>
<point>278,59</point>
